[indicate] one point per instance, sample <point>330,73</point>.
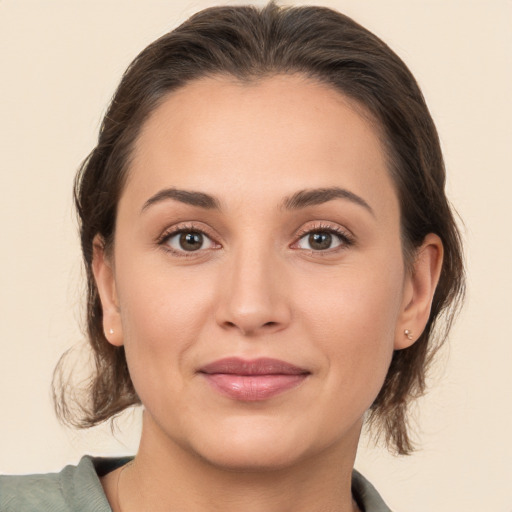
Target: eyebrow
<point>192,198</point>
<point>297,201</point>
<point>316,196</point>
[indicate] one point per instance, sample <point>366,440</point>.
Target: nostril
<point>247,329</point>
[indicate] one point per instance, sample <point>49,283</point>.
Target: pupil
<point>320,240</point>
<point>191,241</point>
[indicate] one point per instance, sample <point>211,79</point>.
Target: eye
<point>188,240</point>
<point>323,239</point>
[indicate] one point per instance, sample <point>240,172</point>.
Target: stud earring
<point>408,333</point>
<point>111,331</point>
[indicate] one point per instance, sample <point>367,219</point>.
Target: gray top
<point>78,489</point>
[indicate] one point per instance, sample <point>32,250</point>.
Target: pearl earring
<point>111,331</point>
<point>408,333</point>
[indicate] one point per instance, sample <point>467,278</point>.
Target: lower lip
<point>252,388</point>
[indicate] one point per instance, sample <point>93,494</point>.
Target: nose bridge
<point>253,299</point>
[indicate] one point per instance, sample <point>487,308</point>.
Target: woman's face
<point>258,222</point>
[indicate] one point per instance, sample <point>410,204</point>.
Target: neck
<point>167,476</point>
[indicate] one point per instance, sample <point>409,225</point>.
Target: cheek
<point>360,301</point>
<point>159,304</point>
<point>162,319</point>
<point>352,322</point>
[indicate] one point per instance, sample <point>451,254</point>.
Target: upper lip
<point>260,366</point>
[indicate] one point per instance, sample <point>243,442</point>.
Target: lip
<point>252,380</point>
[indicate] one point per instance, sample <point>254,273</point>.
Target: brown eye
<point>189,241</point>
<point>321,240</point>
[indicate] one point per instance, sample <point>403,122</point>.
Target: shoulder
<point>73,488</point>
<point>367,497</point>
<point>30,492</point>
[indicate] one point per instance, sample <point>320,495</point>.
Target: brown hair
<point>249,43</point>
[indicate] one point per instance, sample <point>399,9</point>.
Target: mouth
<point>252,380</point>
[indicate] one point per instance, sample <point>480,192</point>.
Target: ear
<point>419,288</point>
<point>103,271</point>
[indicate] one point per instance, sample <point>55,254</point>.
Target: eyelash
<point>346,239</point>
<point>185,228</point>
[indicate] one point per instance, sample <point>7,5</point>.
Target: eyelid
<point>346,237</point>
<point>184,228</point>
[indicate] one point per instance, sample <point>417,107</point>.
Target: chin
<point>255,459</point>
<point>255,447</point>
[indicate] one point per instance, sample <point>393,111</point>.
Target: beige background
<point>59,63</point>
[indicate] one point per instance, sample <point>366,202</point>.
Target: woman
<point>268,246</point>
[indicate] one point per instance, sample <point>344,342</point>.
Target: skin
<point>257,288</point>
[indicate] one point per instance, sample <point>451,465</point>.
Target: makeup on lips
<point>252,380</point>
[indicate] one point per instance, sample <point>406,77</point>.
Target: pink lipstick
<point>252,380</point>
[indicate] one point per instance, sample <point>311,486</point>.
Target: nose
<point>253,299</point>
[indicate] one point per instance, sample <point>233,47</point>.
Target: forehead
<point>260,139</point>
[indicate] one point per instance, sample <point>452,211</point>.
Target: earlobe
<point>103,271</point>
<point>419,290</point>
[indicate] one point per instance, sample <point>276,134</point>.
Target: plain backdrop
<point>60,61</point>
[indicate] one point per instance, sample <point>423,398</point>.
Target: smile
<point>252,380</point>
